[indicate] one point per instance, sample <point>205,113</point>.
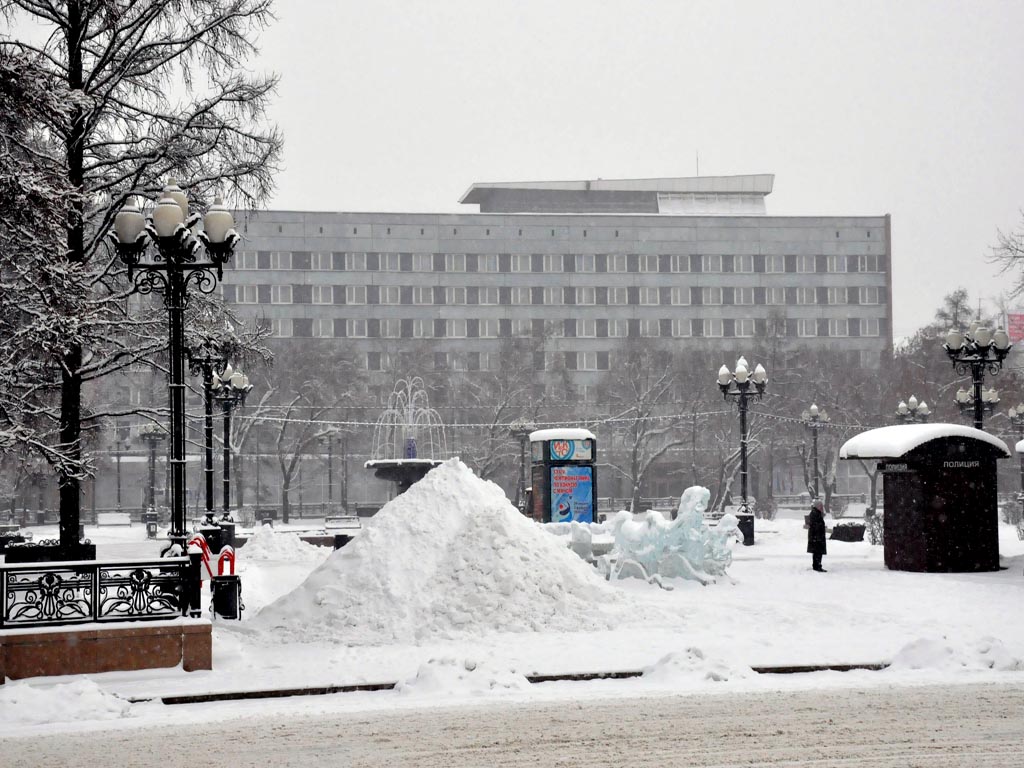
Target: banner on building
<point>1015,326</point>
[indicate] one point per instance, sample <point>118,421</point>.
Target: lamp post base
<point>746,526</point>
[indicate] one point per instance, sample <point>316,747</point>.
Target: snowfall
<point>449,596</point>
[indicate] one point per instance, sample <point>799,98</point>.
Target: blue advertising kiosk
<point>564,475</point>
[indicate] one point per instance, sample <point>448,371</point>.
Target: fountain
<point>409,438</point>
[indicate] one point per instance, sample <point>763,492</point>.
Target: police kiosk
<point>564,475</point>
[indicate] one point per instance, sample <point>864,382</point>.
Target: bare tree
<point>638,389</point>
<point>152,90</point>
<point>493,399</point>
<point>1008,253</point>
<point>300,399</point>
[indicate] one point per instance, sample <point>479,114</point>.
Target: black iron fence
<point>54,594</point>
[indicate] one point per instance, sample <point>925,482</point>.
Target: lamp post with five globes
<point>975,352</point>
<point>741,385</point>
<point>173,264</point>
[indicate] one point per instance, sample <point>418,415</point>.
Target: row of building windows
<point>556,262</point>
<point>602,328</point>
<point>715,201</point>
<point>549,296</point>
<point>491,361</point>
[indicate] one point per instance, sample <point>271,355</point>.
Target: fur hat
<point>818,504</point>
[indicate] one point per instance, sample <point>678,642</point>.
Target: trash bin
<point>341,539</point>
<point>227,536</point>
<point>40,518</point>
<point>150,519</point>
<point>226,601</point>
<point>214,536</point>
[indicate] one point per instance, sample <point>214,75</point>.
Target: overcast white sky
<point>908,108</point>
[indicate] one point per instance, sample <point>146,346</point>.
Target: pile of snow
<point>67,702</point>
<point>450,557</point>
<point>450,677</point>
<point>268,544</point>
<point>939,654</point>
<point>691,666</point>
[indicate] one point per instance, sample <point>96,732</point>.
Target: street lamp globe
<point>218,222</point>
<point>177,194</point>
<point>954,340</point>
<point>167,216</point>
<point>129,223</point>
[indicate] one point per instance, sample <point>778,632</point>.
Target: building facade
<point>577,267</point>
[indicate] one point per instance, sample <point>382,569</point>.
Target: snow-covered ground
<point>454,596</point>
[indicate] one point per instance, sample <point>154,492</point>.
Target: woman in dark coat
<point>816,535</point>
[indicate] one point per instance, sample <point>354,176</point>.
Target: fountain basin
<point>402,472</point>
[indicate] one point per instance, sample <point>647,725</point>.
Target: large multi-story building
<point>572,274</point>
<point>578,266</point>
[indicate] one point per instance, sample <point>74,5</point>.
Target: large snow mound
<point>268,544</point>
<point>451,557</point>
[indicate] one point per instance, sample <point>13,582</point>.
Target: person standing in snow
<point>816,534</point>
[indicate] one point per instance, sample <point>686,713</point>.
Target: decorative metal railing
<point>54,594</point>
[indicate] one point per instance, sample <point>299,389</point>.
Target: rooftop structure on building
<point>703,195</point>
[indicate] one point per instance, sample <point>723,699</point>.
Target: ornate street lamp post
<point>172,265</point>
<point>230,388</point>
<point>741,385</point>
<point>152,436</point>
<point>329,439</point>
<point>977,351</point>
<point>913,412</point>
<point>121,433</point>
<point>204,361</point>
<point>815,418</point>
<point>521,429</point>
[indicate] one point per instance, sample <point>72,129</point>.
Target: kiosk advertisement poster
<point>570,450</point>
<point>572,494</point>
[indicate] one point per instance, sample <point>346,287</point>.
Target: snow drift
<point>268,544</point>
<point>451,557</point>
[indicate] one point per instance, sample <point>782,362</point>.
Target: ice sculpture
<point>650,547</point>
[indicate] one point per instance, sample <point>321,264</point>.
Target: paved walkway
<point>938,727</point>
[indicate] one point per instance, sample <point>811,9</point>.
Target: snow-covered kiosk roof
<point>897,441</point>
<point>565,433</point>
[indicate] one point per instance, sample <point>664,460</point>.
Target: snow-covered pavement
<point>469,599</point>
<point>880,727</point>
